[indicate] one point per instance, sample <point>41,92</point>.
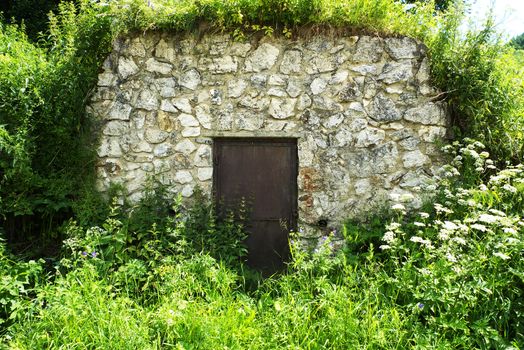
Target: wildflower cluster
<point>474,229</point>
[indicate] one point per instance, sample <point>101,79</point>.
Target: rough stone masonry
<point>360,108</point>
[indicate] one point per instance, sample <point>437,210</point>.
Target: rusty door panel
<point>263,174</point>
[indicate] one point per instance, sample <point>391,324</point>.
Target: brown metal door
<point>263,173</point>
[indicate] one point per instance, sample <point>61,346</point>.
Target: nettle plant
<point>460,268</point>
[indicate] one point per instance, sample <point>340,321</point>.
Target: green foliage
<point>518,42</point>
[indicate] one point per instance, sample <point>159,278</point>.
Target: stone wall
<point>360,107</point>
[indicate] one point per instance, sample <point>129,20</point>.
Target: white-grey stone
<point>203,156</point>
<point>397,72</point>
<point>183,177</point>
<point>191,132</point>
<point>383,109</point>
<point>115,128</point>
<point>203,116</point>
<point>165,50</point>
<point>427,114</point>
<point>414,159</point>
<point>423,74</point>
<point>166,86</point>
<point>187,120</point>
<point>126,67</point>
<point>187,191</point>
<point>399,48</point>
<point>340,76</point>
<point>432,133</point>
<point>256,103</point>
<point>277,79</point>
<point>224,64</point>
<point>236,87</point>
<point>319,64</point>
<point>363,188</point>
<point>183,105</point>
<point>291,62</point>
<point>334,121</point>
<point>167,106</point>
<point>318,85</point>
<point>120,111</point>
<point>369,137</point>
<point>154,66</point>
<point>276,91</point>
<point>190,79</point>
<point>205,174</point>
<point>155,135</point>
<point>249,121</point>
<point>369,49</point>
<point>282,108</point>
<point>185,147</point>
<point>264,57</point>
<point>147,100</point>
<point>216,96</point>
<point>109,147</point>
<point>379,160</point>
<point>163,150</point>
<point>303,102</point>
<point>141,147</point>
<point>106,79</point>
<point>294,88</point>
<point>240,49</point>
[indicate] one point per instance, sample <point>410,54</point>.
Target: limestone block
<point>276,91</point>
<point>240,49</point>
<point>340,76</point>
<point>432,133</point>
<point>282,108</point>
<point>263,58</point>
<point>205,174</point>
<point>190,79</point>
<point>120,111</point>
<point>294,87</point>
<point>203,156</point>
<point>363,188</point>
<point>106,79</point>
<point>183,177</point>
<point>163,150</point>
<point>115,128</point>
<point>400,48</point>
<point>256,103</point>
<point>187,120</point>
<point>109,147</point>
<point>191,132</point>
<point>166,86</point>
<point>358,125</point>
<point>236,87</point>
<point>126,67</point>
<point>417,178</point>
<point>318,85</point>
<point>147,100</point>
<point>187,191</point>
<point>203,116</point>
<point>155,66</point>
<point>277,80</point>
<point>397,72</point>
<point>258,80</point>
<point>167,106</point>
<point>379,160</point>
<point>222,65</point>
<point>414,159</point>
<point>369,49</point>
<point>155,135</point>
<point>183,105</point>
<point>291,62</point>
<point>319,64</point>
<point>423,74</point>
<point>185,147</point>
<point>409,143</point>
<point>216,96</point>
<point>429,113</point>
<point>383,109</point>
<point>248,121</point>
<point>369,137</point>
<point>334,120</point>
<point>303,102</point>
<point>165,50</point>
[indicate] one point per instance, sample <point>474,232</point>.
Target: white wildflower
<point>509,188</point>
<point>451,257</point>
<point>483,187</point>
<point>389,237</point>
<point>384,247</point>
<point>425,271</point>
<point>416,239</point>
<point>509,230</point>
<point>393,226</point>
<point>479,227</point>
<point>406,197</point>
<point>450,226</point>
<point>398,207</point>
<point>487,218</point>
<point>443,235</point>
<point>419,224</point>
<point>423,215</point>
<point>459,240</point>
<point>501,255</point>
<point>484,154</point>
